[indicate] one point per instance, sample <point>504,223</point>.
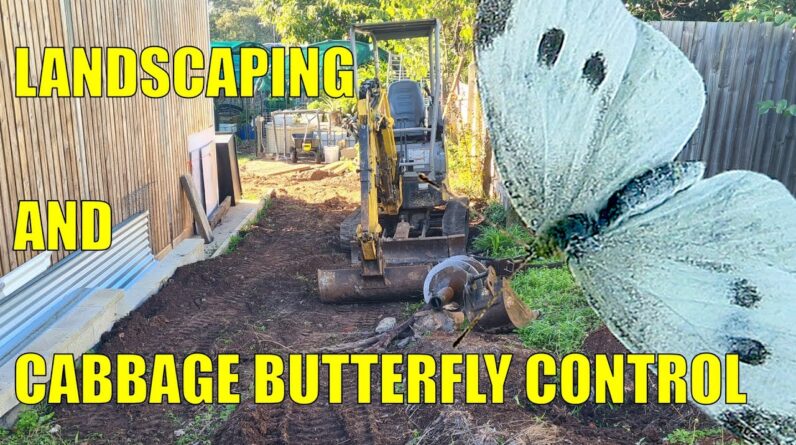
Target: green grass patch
<point>33,428</point>
<point>496,214</point>
<point>692,437</point>
<point>566,317</point>
<point>236,240</point>
<point>496,242</point>
<point>263,212</point>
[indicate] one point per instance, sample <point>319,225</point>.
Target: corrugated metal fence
<point>742,64</point>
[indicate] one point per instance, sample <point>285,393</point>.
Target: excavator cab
<point>407,222</point>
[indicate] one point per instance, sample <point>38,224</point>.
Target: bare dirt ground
<point>262,298</point>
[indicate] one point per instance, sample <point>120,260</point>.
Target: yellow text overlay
<point>376,378</point>
<point>188,72</point>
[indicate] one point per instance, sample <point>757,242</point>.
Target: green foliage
<point>307,21</point>
<point>240,20</point>
<point>200,429</point>
<point>566,317</point>
<point>779,107</point>
<point>464,166</point>
<point>412,308</point>
<point>779,12</point>
<point>496,242</point>
<point>687,10</point>
<point>33,428</point>
<point>236,240</point>
<point>692,437</point>
<point>326,103</point>
<point>496,214</point>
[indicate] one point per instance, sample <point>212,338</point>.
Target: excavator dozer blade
<point>349,286</point>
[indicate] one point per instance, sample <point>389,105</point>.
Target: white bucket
<point>331,153</point>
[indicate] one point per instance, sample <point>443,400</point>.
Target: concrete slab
<point>187,252</point>
<point>236,220</point>
<point>74,333</point>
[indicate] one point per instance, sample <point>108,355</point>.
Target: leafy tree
<point>307,21</point>
<point>240,20</point>
<point>779,12</point>
<point>687,10</point>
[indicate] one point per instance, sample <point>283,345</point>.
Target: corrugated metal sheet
<point>32,308</point>
<point>24,274</point>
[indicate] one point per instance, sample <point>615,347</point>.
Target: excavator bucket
<point>407,262</point>
<point>349,286</point>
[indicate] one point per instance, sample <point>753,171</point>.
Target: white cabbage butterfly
<point>588,108</point>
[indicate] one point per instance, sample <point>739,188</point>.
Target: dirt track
<point>262,298</point>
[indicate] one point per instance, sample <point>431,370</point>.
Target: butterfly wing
<point>713,269</point>
<point>580,97</point>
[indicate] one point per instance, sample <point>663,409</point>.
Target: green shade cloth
<point>263,84</point>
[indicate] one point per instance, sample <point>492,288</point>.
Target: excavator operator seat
<point>406,105</point>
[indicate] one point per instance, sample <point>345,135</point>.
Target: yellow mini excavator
<point>406,223</point>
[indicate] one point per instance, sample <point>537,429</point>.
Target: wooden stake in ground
<point>202,223</point>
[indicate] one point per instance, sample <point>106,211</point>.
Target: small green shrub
<point>692,437</point>
<point>33,427</point>
<point>566,317</point>
<point>496,242</point>
<point>495,214</point>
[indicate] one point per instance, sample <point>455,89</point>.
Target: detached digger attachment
<point>487,300</point>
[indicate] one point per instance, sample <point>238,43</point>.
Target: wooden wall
<point>742,64</point>
<point>127,151</point>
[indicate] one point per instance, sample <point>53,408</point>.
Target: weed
<point>692,437</point>
<point>495,213</point>
<point>496,242</point>
<point>204,425</point>
<point>466,170</point>
<point>412,308</point>
<point>566,318</point>
<point>236,240</point>
<point>33,427</point>
<point>263,212</point>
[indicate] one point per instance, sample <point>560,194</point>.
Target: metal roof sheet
<point>399,30</point>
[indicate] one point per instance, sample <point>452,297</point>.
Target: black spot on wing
<point>749,351</point>
<point>550,47</point>
<point>594,70</point>
<point>744,294</point>
<point>491,21</point>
